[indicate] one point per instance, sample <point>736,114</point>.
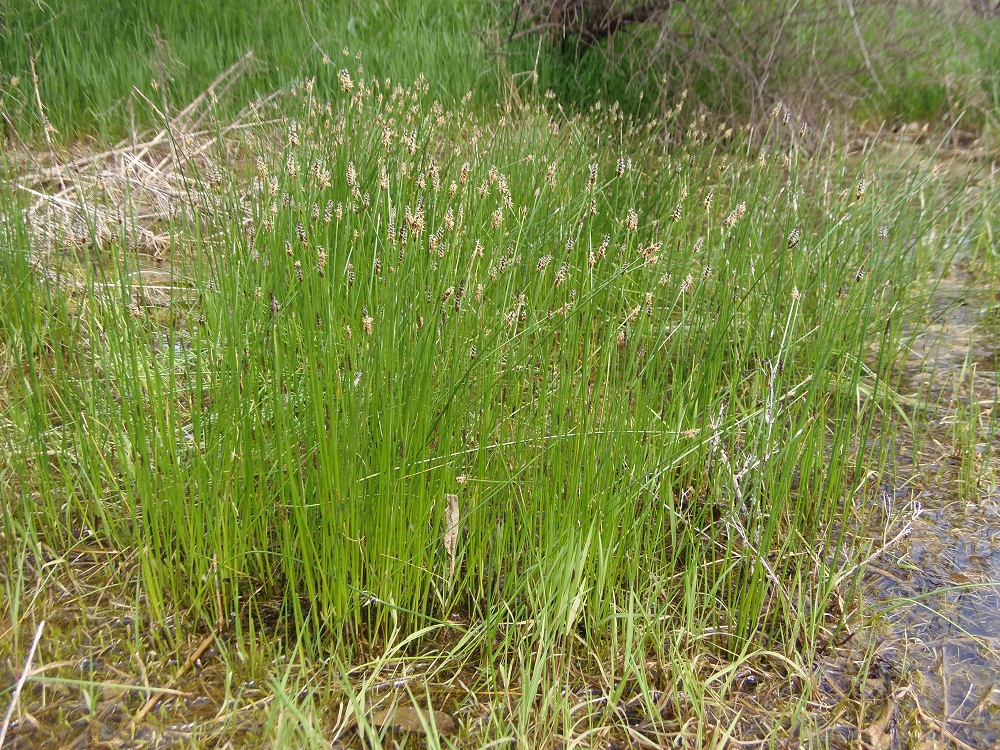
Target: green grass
<point>86,73</point>
<point>169,52</point>
<point>430,414</point>
<point>532,394</point>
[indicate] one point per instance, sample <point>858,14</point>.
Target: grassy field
<point>59,65</point>
<point>169,52</point>
<point>561,428</point>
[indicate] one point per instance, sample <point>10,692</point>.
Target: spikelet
<point>603,249</point>
<point>632,220</point>
<point>793,238</point>
<point>561,276</point>
<point>859,191</point>
<point>735,215</point>
<point>346,84</point>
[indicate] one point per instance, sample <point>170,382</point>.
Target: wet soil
<point>938,588</point>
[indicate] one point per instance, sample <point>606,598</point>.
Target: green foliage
<point>90,55</point>
<point>627,392</point>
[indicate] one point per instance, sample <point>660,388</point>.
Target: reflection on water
<point>940,586</point>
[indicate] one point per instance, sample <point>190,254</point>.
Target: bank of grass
<point>907,63</point>
<point>90,55</point>
<point>528,418</point>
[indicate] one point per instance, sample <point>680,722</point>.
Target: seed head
<point>632,220</point>
<point>793,238</point>
<point>603,249</point>
<point>346,84</point>
<point>562,275</point>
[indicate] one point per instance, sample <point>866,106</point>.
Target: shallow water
<point>939,587</point>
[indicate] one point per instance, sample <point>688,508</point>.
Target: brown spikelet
<point>793,238</point>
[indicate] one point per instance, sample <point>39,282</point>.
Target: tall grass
<point>89,56</point>
<point>544,382</point>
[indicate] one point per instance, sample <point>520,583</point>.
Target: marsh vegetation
<point>358,413</point>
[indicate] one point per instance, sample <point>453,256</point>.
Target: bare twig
<point>864,49</point>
